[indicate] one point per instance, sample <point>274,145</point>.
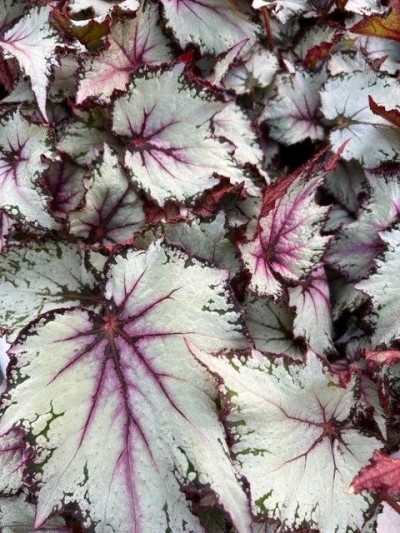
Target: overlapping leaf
<point>40,277</point>
<point>271,326</point>
<point>132,44</point>
<point>17,515</point>
<point>383,289</point>
<point>386,25</point>
<point>33,42</point>
<point>22,146</point>
<point>63,181</point>
<point>313,320</point>
<point>293,113</point>
<point>112,211</point>
<point>358,243</point>
<point>383,474</point>
<point>102,8</point>
<point>288,243</point>
<point>208,240</point>
<point>181,119</point>
<point>282,9</point>
<point>14,457</point>
<point>213,25</point>
<point>83,139</point>
<point>253,71</point>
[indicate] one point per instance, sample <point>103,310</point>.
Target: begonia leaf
<point>233,125</point>
<point>386,26</point>
<point>370,138</point>
<point>383,289</point>
<point>384,53</point>
<point>288,244</point>
<point>313,321</point>
<point>39,277</point>
<point>347,184</point>
<point>17,515</point>
<point>364,7</point>
<point>171,152</point>
<point>345,297</point>
<point>83,139</point>
<point>89,33</point>
<point>102,8</point>
<point>255,70</point>
<point>271,326</point>
<point>213,25</point>
<point>282,9</point>
<point>347,62</point>
<point>391,115</point>
<point>292,114</point>
<point>64,182</point>
<point>9,11</point>
<point>209,240</point>
<point>381,475</point>
<point>224,63</point>
<point>357,245</point>
<point>130,375</point>
<point>63,83</point>
<point>14,456</point>
<point>133,43</point>
<point>112,211</point>
<point>287,423</point>
<point>33,42</point>
<point>5,225</point>
<point>22,145</point>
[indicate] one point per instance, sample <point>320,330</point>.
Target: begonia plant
<point>199,265</point>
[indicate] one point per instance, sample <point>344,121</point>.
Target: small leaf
<point>112,211</point>
<point>33,42</point>
<point>37,278</point>
<point>22,145</point>
<point>288,243</point>
<point>83,139</point>
<point>213,25</point>
<point>292,113</point>
<point>9,11</point>
<point>358,244</point>
<point>271,326</point>
<point>255,70</point>
<point>381,475</point>
<point>386,26</point>
<point>283,10</point>
<point>207,240</point>
<point>18,516</point>
<point>5,226</point>
<point>391,115</point>
<point>102,8</point>
<point>313,321</point>
<point>383,289</point>
<point>14,457</point>
<point>63,181</point>
<point>89,34</point>
<point>132,44</point>
<point>363,7</point>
